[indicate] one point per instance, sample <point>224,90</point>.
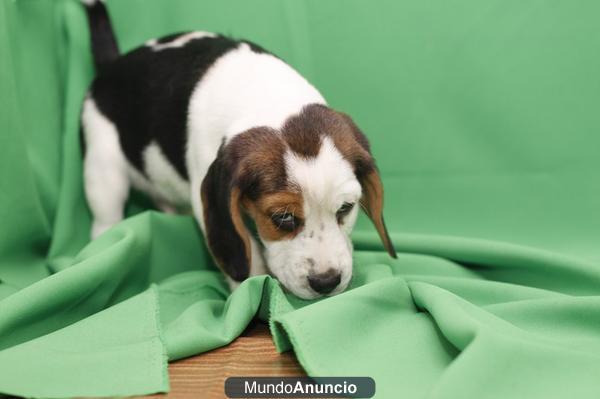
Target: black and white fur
<point>156,118</point>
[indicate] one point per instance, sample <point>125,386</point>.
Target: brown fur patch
<point>372,203</point>
<point>262,209</point>
<point>238,222</point>
<point>303,134</point>
<point>256,156</point>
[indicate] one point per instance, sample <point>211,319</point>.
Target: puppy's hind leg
<point>106,180</point>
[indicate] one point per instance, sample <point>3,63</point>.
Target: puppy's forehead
<point>324,156</point>
<point>328,178</point>
<point>318,152</point>
<point>304,134</point>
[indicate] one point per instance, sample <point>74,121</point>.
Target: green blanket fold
<point>483,118</point>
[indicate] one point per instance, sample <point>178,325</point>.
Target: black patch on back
<point>146,94</point>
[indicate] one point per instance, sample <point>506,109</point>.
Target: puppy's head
<point>302,187</point>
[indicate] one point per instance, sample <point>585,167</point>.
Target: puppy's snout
<point>324,283</point>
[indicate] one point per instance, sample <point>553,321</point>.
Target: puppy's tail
<point>104,44</point>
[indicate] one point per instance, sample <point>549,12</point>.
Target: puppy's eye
<point>285,221</point>
<point>344,210</point>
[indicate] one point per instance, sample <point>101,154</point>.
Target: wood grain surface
<point>252,354</point>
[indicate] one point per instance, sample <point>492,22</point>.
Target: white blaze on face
<point>326,182</point>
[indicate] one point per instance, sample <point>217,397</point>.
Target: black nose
<point>326,282</point>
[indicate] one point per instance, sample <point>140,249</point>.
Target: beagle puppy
<point>227,131</point>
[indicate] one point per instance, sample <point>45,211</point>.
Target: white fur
<point>326,182</point>
<point>104,169</point>
<point>179,41</point>
<point>168,185</point>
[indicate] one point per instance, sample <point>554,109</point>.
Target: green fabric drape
<point>483,118</point>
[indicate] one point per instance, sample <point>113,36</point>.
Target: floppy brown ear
<point>226,234</point>
<point>372,203</point>
<point>359,154</point>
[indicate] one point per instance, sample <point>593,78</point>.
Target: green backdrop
<point>483,116</point>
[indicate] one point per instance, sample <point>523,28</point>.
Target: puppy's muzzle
<point>324,283</point>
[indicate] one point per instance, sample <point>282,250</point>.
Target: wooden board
<point>252,354</point>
